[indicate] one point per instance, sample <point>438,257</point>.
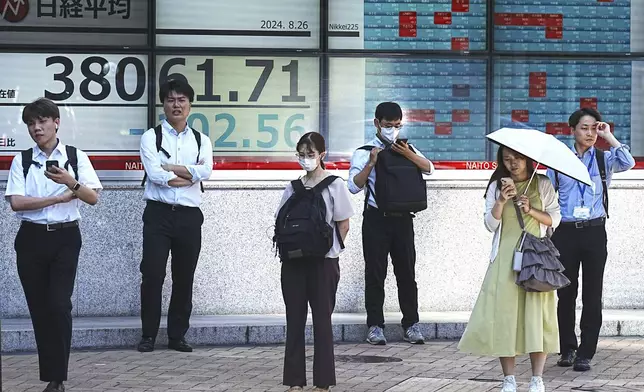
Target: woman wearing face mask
<point>314,282</point>
<point>508,321</point>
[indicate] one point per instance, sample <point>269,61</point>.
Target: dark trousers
<point>177,230</point>
<point>381,236</point>
<point>315,283</point>
<point>47,262</point>
<point>585,247</point>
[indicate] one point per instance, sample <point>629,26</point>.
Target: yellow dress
<point>506,320</point>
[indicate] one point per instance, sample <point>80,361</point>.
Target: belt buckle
<point>49,228</point>
<point>579,224</point>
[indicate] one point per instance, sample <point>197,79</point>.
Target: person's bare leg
<point>507,364</point>
<point>538,361</point>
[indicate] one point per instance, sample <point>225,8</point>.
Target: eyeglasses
<point>398,127</point>
<point>302,156</point>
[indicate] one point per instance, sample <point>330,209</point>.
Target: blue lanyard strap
<point>582,189</point>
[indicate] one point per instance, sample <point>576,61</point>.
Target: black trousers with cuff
<point>47,261</point>
<point>176,230</point>
<point>583,247</point>
<point>384,235</point>
<point>314,283</point>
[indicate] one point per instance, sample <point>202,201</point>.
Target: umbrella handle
<point>532,177</point>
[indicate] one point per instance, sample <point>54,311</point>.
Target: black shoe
<point>179,345</point>
<point>55,387</point>
<point>567,359</point>
<point>581,365</point>
<point>146,345</point>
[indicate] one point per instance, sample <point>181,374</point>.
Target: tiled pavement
<point>436,366</point>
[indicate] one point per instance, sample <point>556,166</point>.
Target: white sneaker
<point>509,384</point>
<point>536,385</point>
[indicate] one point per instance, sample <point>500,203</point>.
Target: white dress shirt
<point>182,148</point>
<point>360,159</point>
<point>38,185</point>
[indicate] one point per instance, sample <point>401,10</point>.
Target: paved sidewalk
<point>436,366</point>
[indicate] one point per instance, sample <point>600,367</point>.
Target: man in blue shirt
<point>581,237</point>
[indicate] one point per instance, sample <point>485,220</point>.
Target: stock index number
<point>208,69</point>
<point>96,75</point>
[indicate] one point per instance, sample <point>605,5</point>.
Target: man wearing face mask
<point>384,233</point>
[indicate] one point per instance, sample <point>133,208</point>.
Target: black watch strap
<point>76,187</point>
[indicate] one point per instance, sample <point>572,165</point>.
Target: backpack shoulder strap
<point>27,161</point>
<point>556,181</point>
<point>72,160</point>
<point>158,132</point>
<point>297,185</point>
<point>318,188</point>
<point>367,148</point>
<point>601,165</point>
<point>198,139</point>
<point>324,183</point>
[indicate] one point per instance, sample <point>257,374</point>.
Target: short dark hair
<point>310,141</point>
<point>178,86</point>
<point>40,108</point>
<point>389,111</point>
<point>574,118</point>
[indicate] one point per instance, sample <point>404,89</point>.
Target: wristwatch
<point>76,187</point>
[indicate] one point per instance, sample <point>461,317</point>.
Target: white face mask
<point>390,133</point>
<point>308,164</point>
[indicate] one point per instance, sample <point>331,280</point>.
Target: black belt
<point>585,223</point>
<point>51,226</point>
<point>387,214</point>
<point>173,207</point>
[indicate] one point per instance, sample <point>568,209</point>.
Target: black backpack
<point>301,229</point>
<point>72,160</point>
<point>400,186</point>
<point>601,165</point>
<point>159,135</point>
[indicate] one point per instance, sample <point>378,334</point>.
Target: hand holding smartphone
<point>50,164</point>
<point>508,189</point>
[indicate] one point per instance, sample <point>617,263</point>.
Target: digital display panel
<point>103,99</point>
<point>569,26</point>
<point>542,94</point>
<point>252,107</point>
<point>241,24</point>
<point>62,22</point>
<point>444,104</point>
<point>458,25</point>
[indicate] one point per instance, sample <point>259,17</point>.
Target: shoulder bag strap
<point>601,165</point>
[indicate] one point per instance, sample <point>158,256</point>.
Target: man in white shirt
<point>384,233</point>
<point>176,159</point>
<point>46,186</point>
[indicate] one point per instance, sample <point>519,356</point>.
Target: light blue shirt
<point>570,191</point>
<point>360,159</point>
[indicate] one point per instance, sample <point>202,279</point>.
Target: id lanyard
<point>582,189</point>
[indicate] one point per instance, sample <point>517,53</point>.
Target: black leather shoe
<point>146,345</point>
<point>581,365</point>
<point>55,387</point>
<point>567,359</point>
<point>179,345</point>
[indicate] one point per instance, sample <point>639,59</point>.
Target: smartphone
<point>401,141</point>
<point>49,164</point>
<point>506,180</point>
